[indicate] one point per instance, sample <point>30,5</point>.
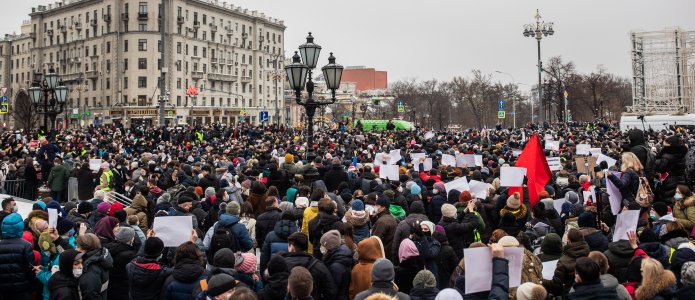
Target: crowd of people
<point>276,218</point>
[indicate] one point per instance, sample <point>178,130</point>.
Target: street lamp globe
<point>36,94</point>
<point>296,73</point>
<point>310,52</point>
<point>332,73</point>
<point>61,93</point>
<point>51,79</point>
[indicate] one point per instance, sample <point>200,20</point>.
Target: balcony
<point>107,18</point>
<point>179,20</point>
<point>196,25</point>
<point>221,77</point>
<point>213,28</point>
<point>32,35</point>
<point>63,29</point>
<point>142,16</point>
<point>222,61</point>
<point>78,26</point>
<point>124,17</point>
<point>213,60</point>
<point>196,75</point>
<point>93,22</point>
<point>91,74</point>
<point>245,79</point>
<point>70,77</point>
<point>49,32</point>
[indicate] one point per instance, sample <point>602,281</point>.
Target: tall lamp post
<point>538,30</point>
<point>48,96</point>
<point>297,77</point>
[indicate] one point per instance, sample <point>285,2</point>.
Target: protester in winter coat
<point>16,260</point>
<point>297,256</point>
<point>688,280</point>
<point>670,160</point>
<point>338,259</point>
<point>359,219</point>
<point>257,197</point>
<point>122,251</point>
<point>368,250</point>
<point>249,220</point>
<point>619,254</point>
<point>188,271</point>
<point>139,208</point>
<point>417,215</point>
<point>657,283</point>
<point>629,182</point>
<point>335,176</point>
<point>230,219</point>
<point>146,275</point>
<point>551,248</point>
<point>596,240</point>
<point>276,240</point>
<point>608,280</point>
<point>64,283</point>
<point>384,226</point>
<point>246,269</point>
<point>684,207</point>
<point>589,285</point>
<point>459,233</point>
<point>446,260</point>
<point>326,220</point>
<point>266,221</point>
<point>434,209</point>
<point>410,262</point>
<point>96,263</point>
<point>382,276</point>
<point>649,243</point>
<point>563,277</point>
<point>424,286</point>
<point>276,283</point>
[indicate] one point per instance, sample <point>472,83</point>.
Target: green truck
<point>380,125</point>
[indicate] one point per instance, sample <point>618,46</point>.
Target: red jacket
<point>425,176</point>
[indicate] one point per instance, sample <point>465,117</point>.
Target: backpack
<point>644,196</point>
<point>277,247</point>
<point>651,158</point>
<point>223,237</point>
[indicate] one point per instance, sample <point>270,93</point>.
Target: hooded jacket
<point>16,256</point>
<point>658,251</point>
<point>385,228</point>
<point>209,180</point>
<point>339,263</point>
<point>139,208</point>
<point>324,285</point>
<point>460,234</point>
<point>369,250</point>
<point>335,176</point>
<point>563,278</point>
<point>684,212</point>
<point>360,224</point>
<point>266,222</point>
<point>146,278</point>
<point>318,226</point>
<point>181,283</point>
<point>63,287</point>
<point>551,248</point>
<point>619,255</point>
<point>382,276</point>
<point>94,281</point>
<point>403,229</point>
<point>122,254</point>
<point>280,233</point>
<point>240,232</point>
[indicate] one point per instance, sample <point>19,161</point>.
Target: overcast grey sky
<point>444,38</point>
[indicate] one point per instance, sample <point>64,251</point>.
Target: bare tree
<point>24,114</point>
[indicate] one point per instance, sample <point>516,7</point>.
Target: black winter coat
<point>423,293</point>
<point>266,222</point>
<point>339,263</point>
<point>596,240</point>
<point>280,233</point>
<point>280,180</point>
<point>181,283</point>
<point>335,176</point>
<point>628,185</point>
<point>406,271</point>
<point>122,254</point>
<point>209,180</point>
<point>446,263</point>
<point>592,290</point>
<point>63,287</point>
<point>146,278</point>
<point>321,224</point>
<point>619,255</point>
<point>324,285</point>
<point>670,160</point>
<point>16,261</point>
<point>275,288</point>
<point>403,231</point>
<point>85,183</point>
<point>434,209</point>
<point>460,235</point>
<point>95,274</point>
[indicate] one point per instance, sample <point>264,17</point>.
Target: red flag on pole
<point>537,171</point>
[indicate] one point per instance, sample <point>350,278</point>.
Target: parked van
<point>656,122</point>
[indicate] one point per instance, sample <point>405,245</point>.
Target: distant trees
<point>23,113</point>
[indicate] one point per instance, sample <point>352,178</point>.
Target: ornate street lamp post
<point>538,30</point>
<point>297,73</point>
<point>48,96</point>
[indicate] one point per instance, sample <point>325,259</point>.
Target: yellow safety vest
<point>109,175</point>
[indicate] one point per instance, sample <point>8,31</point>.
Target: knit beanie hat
<point>219,284</point>
<point>289,158</point>
<point>576,209</point>
<point>382,270</point>
<point>586,219</point>
<point>64,225</point>
<point>448,210</point>
<point>104,207</point>
<point>440,229</point>
<point>439,186</point>
<point>285,206</point>
<point>660,208</point>
<point>248,263</point>
<point>429,225</point>
<point>233,208</point>
<point>514,201</point>
<point>572,197</point>
<point>331,240</point>
<point>508,241</point>
<point>198,191</point>
<point>530,290</point>
<point>116,206</point>
<point>415,189</point>
<point>357,205</point>
<point>69,206</point>
<point>424,280</point>
<point>153,247</point>
<point>224,258</point>
<point>209,192</point>
<point>277,264</point>
<point>384,201</point>
<point>125,234</point>
<point>552,244</point>
<point>465,196</point>
<point>648,236</point>
<point>688,273</point>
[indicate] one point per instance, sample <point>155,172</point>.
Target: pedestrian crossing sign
<point>501,114</point>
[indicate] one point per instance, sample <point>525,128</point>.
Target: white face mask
<point>323,250</point>
<point>77,273</point>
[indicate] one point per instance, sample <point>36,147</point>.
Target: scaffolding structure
<point>663,68</point>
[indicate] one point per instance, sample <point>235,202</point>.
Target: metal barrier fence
<point>112,196</point>
<point>15,188</point>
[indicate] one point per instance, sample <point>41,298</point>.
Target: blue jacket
<point>16,256</point>
<point>227,220</point>
<point>180,285</point>
<point>280,233</point>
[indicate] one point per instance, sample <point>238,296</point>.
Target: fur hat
<point>448,210</point>
<point>514,201</point>
<point>530,291</point>
<point>508,241</point>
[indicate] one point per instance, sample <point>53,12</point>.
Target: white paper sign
<point>557,204</point>
<point>395,156</point>
<point>281,161</point>
<point>465,160</point>
<point>173,231</point>
<point>625,222</point>
<point>552,145</point>
<point>52,218</point>
<point>381,159</point>
<point>516,152</point>
<point>429,135</point>
<point>548,137</point>
<point>595,151</point>
<point>415,157</point>
<point>549,269</point>
<point>601,158</point>
<point>460,185</point>
<point>478,189</point>
<point>480,260</point>
<point>95,164</point>
<point>427,165</point>
<point>512,176</point>
<point>478,160</point>
<point>554,163</point>
<point>583,149</point>
<point>448,160</point>
<point>389,172</point>
<point>614,196</point>
<point>589,195</point>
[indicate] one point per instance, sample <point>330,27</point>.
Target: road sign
<point>346,114</point>
<point>401,108</point>
<point>566,94</point>
<point>500,105</point>
<point>4,99</point>
<point>263,116</point>
<point>501,114</point>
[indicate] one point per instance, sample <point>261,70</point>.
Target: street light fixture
<point>538,30</point>
<point>297,73</point>
<point>48,95</point>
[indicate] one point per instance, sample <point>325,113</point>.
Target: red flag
<point>537,170</point>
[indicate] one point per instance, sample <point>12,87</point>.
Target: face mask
<point>435,191</point>
<point>77,273</point>
<point>652,216</point>
<point>678,196</point>
<point>323,250</point>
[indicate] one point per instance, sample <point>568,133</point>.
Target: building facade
<point>366,79</point>
<point>109,54</point>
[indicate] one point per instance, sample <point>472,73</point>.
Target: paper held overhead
<point>389,172</point>
<point>478,189</point>
<point>173,231</point>
<point>448,160</point>
<point>552,145</point>
<point>465,160</point>
<point>480,260</point>
<point>460,185</point>
<point>583,149</point>
<point>427,165</point>
<point>512,176</point>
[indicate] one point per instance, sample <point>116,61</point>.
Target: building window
<point>142,45</point>
<point>125,83</point>
<point>212,101</point>
<point>142,63</point>
<point>178,83</point>
<point>205,52</point>
<point>142,82</point>
<point>142,27</point>
<point>159,64</point>
<point>108,47</point>
<point>108,101</point>
<point>125,64</point>
<point>178,47</point>
<point>108,83</point>
<point>159,46</point>
<point>178,100</point>
<point>143,7</point>
<point>125,45</point>
<point>142,100</point>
